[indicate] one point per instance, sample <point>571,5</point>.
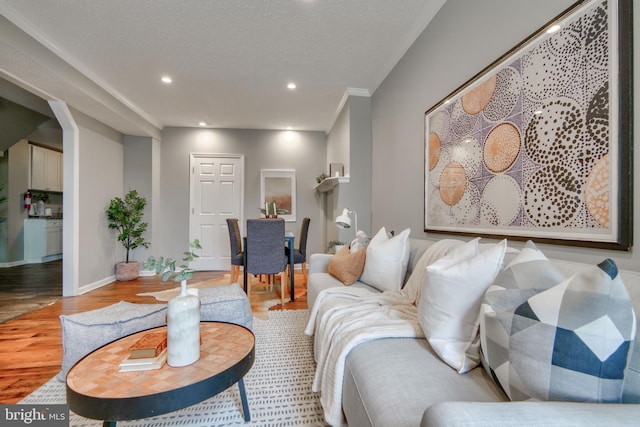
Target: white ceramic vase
<point>183,328</point>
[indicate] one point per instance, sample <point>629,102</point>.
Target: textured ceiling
<point>230,60</point>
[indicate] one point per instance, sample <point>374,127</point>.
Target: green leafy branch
<point>167,266</point>
<point>125,216</point>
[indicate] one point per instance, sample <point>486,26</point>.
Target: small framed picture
<point>336,169</point>
<point>278,186</point>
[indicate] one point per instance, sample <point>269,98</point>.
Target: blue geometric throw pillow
<point>564,341</point>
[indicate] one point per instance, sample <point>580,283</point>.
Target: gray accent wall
<point>262,149</point>
<point>462,39</point>
<point>17,184</point>
<point>101,174</point>
<point>141,173</point>
<point>349,143</point>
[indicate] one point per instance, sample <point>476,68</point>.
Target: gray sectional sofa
<point>403,382</point>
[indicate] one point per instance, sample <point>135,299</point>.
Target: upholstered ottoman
<point>226,304</point>
<point>84,332</point>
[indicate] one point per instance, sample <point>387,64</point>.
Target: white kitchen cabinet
<point>42,240</point>
<point>54,237</point>
<point>46,169</point>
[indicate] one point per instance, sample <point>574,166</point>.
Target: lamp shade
<point>343,220</point>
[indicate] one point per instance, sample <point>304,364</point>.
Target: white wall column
<point>70,203</point>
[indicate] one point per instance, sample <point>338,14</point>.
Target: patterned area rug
<point>262,296</point>
<point>278,385</point>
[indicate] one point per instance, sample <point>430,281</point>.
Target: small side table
<point>97,390</point>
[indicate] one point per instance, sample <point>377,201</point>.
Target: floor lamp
<point>344,221</point>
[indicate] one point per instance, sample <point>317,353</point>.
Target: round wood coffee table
<point>97,390</point>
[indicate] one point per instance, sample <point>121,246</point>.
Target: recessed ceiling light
<point>553,29</point>
<point>291,85</point>
<point>202,124</point>
<point>166,79</point>
<point>288,128</point>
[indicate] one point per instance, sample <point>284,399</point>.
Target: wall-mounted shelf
<point>328,183</point>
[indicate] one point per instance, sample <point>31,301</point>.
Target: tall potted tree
<point>125,216</point>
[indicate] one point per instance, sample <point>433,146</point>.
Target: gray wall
<point>18,183</point>
<point>463,38</point>
<point>337,152</point>
<point>100,174</point>
<point>140,173</point>
<point>4,208</point>
<point>303,151</point>
<point>358,193</point>
<point>349,142</point>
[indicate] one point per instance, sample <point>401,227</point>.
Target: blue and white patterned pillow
<point>544,337</point>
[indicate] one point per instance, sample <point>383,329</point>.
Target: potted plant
<point>334,246</point>
<point>167,266</point>
<point>183,311</point>
<point>125,216</point>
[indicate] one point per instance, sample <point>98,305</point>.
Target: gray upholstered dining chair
<point>237,256</point>
<point>264,251</point>
<point>300,254</point>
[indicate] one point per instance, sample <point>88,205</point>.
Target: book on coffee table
<point>149,345</point>
<point>144,364</point>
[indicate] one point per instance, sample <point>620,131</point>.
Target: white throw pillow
<point>386,261</point>
<point>360,242</point>
<point>450,301</point>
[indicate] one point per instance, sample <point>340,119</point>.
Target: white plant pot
<point>183,328</point>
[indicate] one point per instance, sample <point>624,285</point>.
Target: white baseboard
<point>12,264</point>
<point>146,273</point>
<point>95,285</point>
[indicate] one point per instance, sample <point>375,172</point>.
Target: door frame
<point>192,157</point>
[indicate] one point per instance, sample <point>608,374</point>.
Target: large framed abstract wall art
<point>538,145</point>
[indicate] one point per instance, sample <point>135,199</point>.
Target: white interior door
<point>217,193</point>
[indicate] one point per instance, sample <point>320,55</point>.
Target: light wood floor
<point>31,344</point>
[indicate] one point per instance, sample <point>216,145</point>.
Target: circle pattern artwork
<point>467,152</point>
<point>549,68</point>
<point>452,183</point>
<point>440,124</point>
<point>551,197</point>
<point>434,150</point>
<point>526,145</point>
<point>598,122</point>
<point>478,98</point>
<point>501,147</point>
<point>555,133</point>
<point>596,34</point>
<point>506,96</point>
<point>596,192</point>
<point>466,211</point>
<point>462,123</point>
<point>500,201</point>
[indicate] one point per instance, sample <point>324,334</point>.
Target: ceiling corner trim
<point>354,91</point>
<point>350,91</point>
<point>430,10</point>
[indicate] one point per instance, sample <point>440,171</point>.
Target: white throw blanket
<point>344,317</point>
